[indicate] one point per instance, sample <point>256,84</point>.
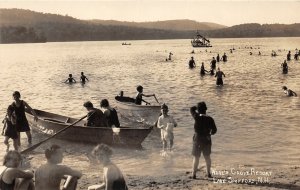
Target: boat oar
<point>156,99</point>
<point>62,130</point>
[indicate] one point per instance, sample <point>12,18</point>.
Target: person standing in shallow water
<point>70,80</point>
<point>285,67</point>
<point>83,78</point>
<point>219,75</point>
<point>166,123</point>
<point>218,58</point>
<point>22,124</point>
<point>204,127</point>
<point>192,63</point>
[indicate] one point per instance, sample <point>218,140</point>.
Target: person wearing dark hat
<point>166,123</point>
<point>95,117</point>
<point>110,114</point>
<point>204,127</point>
<point>192,63</point>
<point>288,92</point>
<point>139,96</point>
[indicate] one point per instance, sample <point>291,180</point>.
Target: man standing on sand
<point>204,127</point>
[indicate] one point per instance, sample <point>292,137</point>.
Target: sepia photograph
<point>149,94</point>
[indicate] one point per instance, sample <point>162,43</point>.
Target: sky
<point>225,12</point>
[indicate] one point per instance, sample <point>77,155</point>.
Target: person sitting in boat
<point>48,176</point>
<point>202,69</point>
<point>95,117</point>
<point>219,75</point>
<point>285,67</point>
<point>83,78</point>
<point>192,63</point>
<point>13,178</point>
<point>288,92</point>
<point>70,80</point>
<point>112,175</point>
<point>111,115</point>
<point>139,96</point>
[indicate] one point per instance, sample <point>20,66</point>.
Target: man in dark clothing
<point>95,117</point>
<point>192,63</point>
<point>204,127</point>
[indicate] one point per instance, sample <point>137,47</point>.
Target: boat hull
<point>50,124</point>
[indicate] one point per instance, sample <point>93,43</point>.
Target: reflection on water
<point>257,124</point>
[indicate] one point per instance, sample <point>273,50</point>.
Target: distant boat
<point>124,44</point>
<point>200,41</point>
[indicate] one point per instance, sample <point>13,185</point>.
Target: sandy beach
<point>287,178</point>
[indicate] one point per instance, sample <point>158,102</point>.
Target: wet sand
<point>287,178</point>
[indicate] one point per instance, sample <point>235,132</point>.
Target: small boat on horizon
<point>50,123</point>
<point>200,41</point>
<point>124,44</point>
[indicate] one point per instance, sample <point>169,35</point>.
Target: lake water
<point>257,125</point>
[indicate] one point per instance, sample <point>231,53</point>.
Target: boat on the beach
<point>50,123</point>
<point>147,113</point>
<point>200,41</point>
<point>124,44</point>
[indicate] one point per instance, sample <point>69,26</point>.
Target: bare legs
<point>29,138</point>
<point>196,163</point>
<point>15,143</point>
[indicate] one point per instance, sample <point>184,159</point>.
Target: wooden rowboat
<point>148,113</point>
<point>50,123</point>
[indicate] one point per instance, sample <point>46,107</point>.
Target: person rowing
<point>139,96</point>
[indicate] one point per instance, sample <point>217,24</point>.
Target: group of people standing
<point>219,74</point>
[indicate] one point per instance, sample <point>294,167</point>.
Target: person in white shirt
<point>166,123</point>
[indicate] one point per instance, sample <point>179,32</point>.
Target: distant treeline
<point>20,26</point>
<point>20,35</point>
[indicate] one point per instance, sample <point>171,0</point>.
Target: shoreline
<point>286,178</point>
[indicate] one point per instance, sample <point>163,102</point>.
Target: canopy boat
<point>147,113</point>
<point>50,123</point>
<point>200,41</point>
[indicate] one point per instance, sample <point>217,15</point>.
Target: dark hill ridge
<point>20,26</point>
<point>182,25</point>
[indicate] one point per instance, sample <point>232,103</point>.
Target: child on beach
<point>166,123</point>
<point>10,130</point>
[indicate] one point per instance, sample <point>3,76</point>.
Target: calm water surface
<point>257,125</point>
